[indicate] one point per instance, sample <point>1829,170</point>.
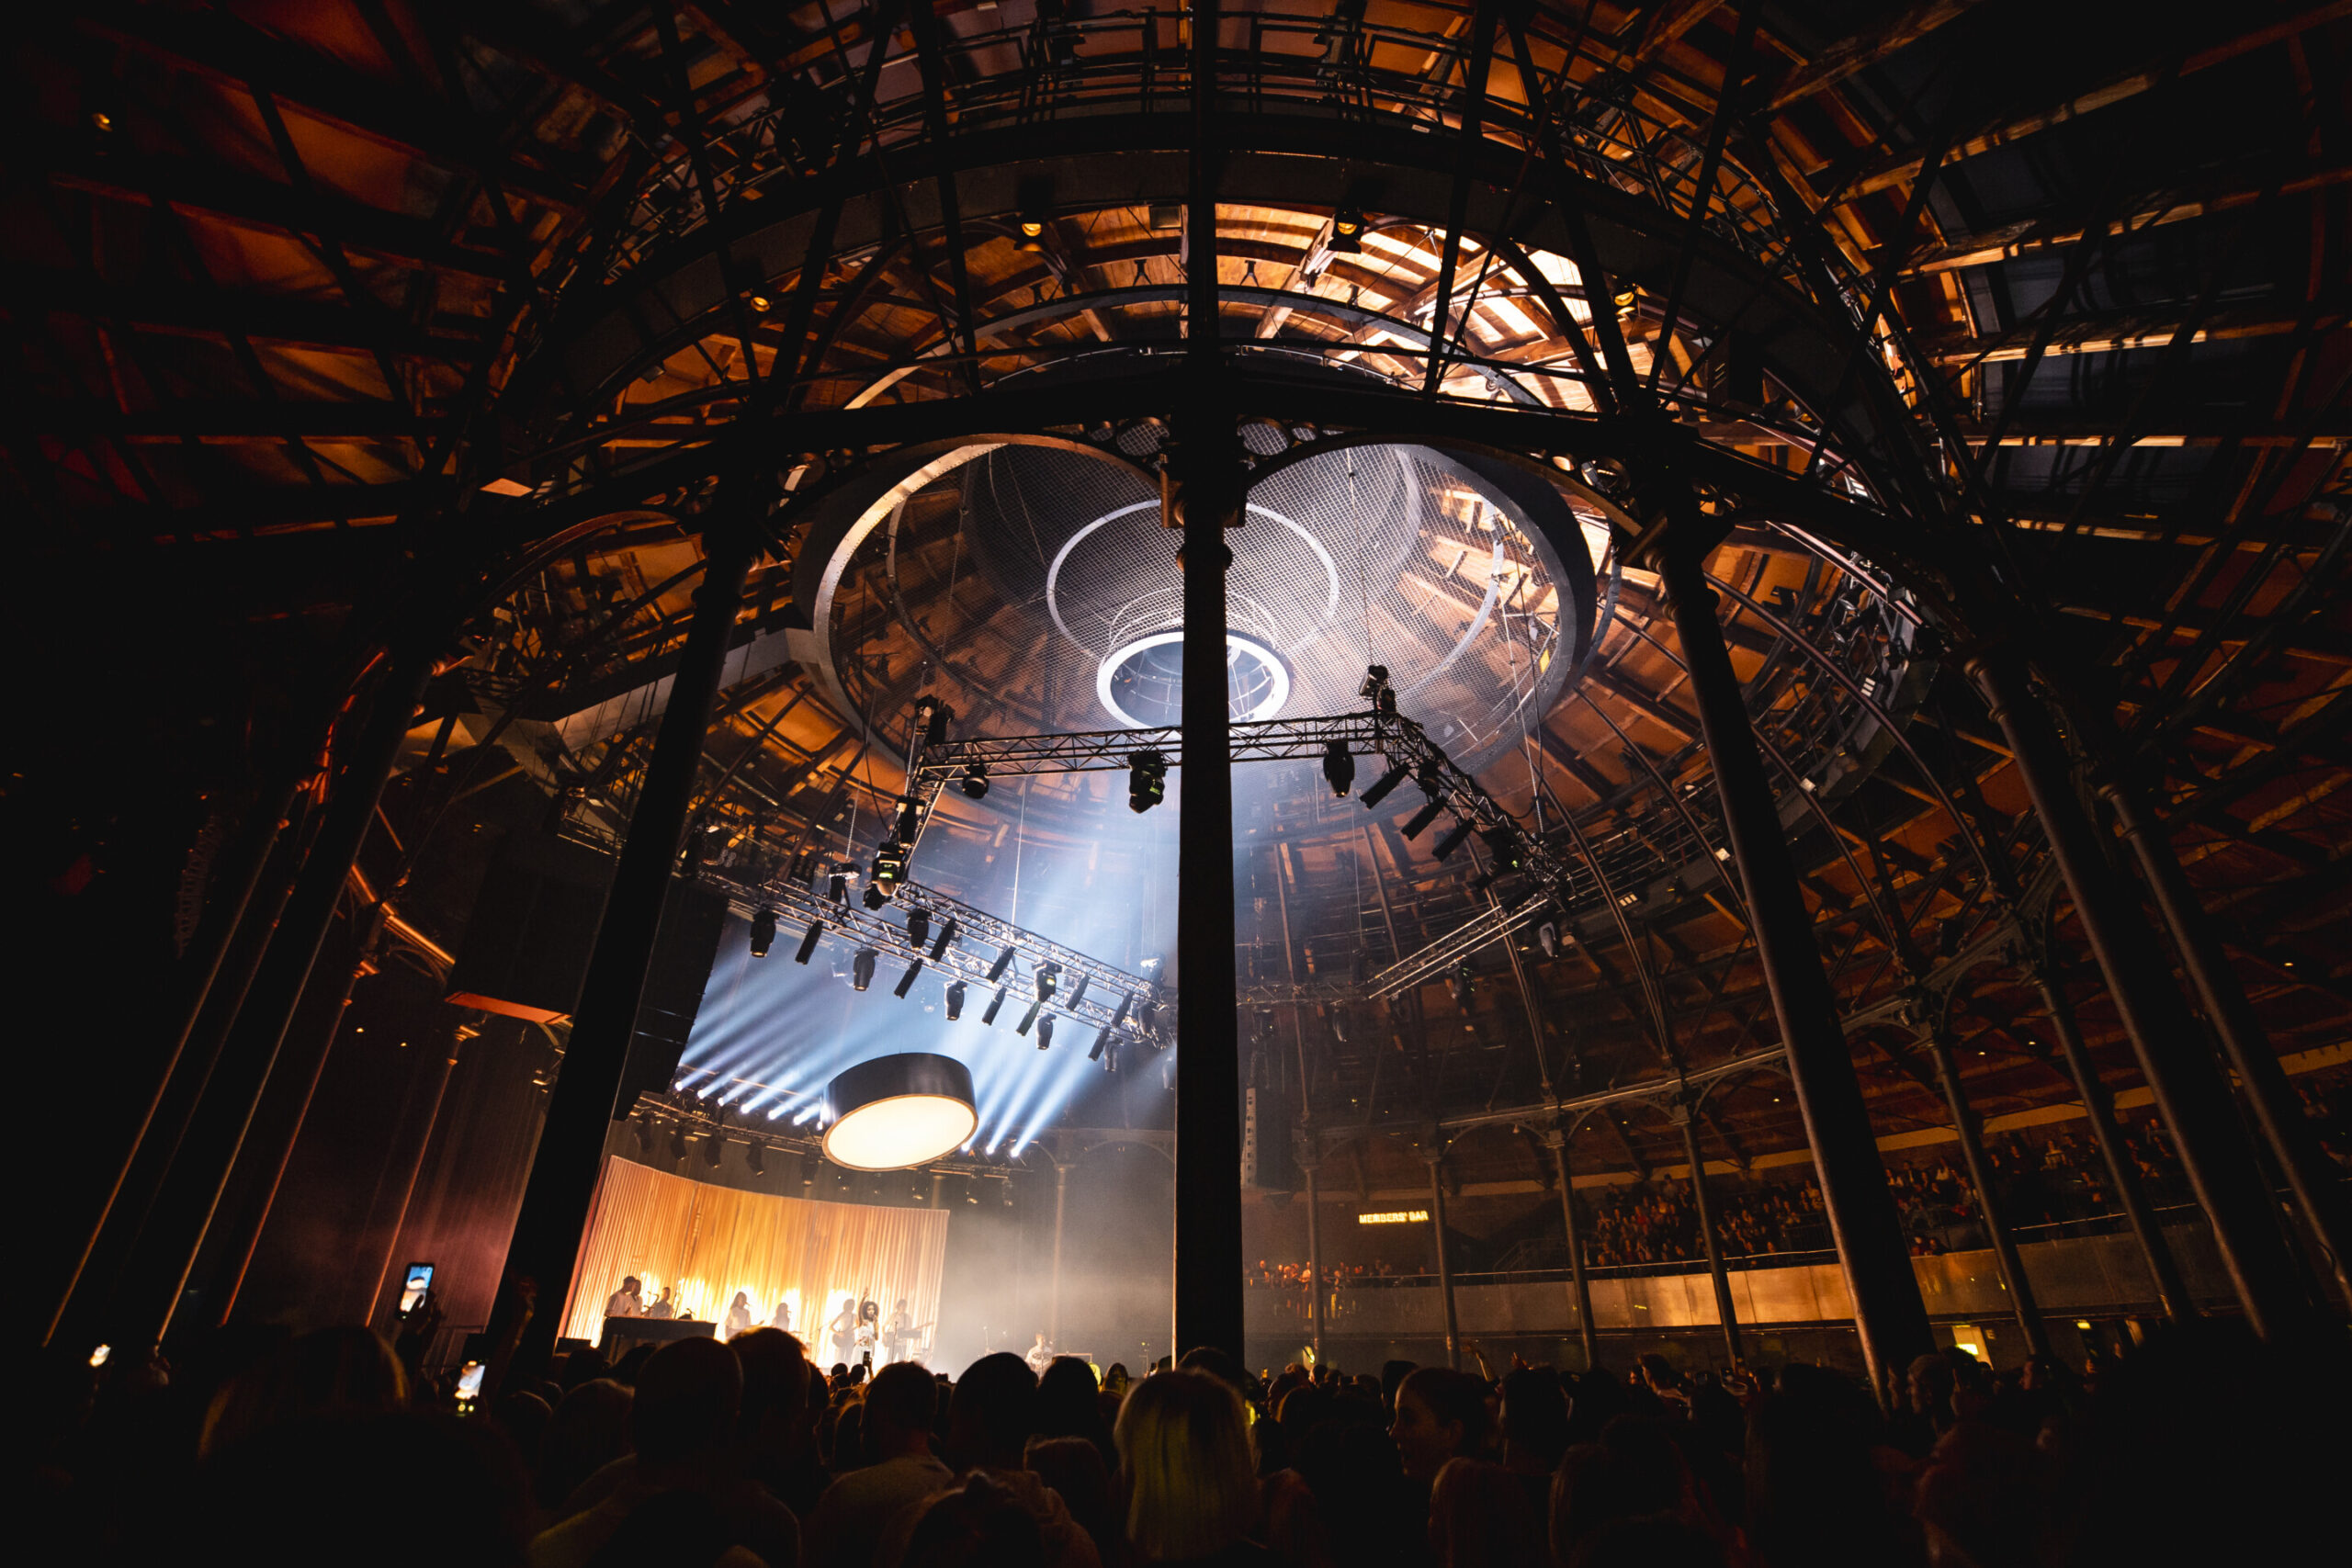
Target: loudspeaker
<point>534,929</point>
<point>1266,1154</point>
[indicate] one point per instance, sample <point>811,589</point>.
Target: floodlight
<point>1386,784</point>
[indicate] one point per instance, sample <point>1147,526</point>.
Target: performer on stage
<point>738,1316</point>
<point>869,1326</point>
<point>626,1302</point>
<point>664,1306</point>
<point>844,1329</point>
<point>1041,1355</point>
<point>898,1332</point>
<point>783,1319</point>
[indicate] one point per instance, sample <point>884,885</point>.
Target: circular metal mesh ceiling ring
<point>1020,570</point>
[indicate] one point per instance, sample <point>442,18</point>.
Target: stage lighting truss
<point>1406,752</point>
<point>1065,983</point>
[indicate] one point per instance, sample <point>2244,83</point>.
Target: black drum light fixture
<point>809,942</point>
<point>861,968</point>
<point>897,1112</point>
<point>1339,767</point>
<point>1509,849</point>
<point>762,931</point>
<point>1146,780</point>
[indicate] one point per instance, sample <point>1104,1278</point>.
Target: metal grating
<point>1017,574</point>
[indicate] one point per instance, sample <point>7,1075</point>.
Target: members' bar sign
<point>1394,1217</point>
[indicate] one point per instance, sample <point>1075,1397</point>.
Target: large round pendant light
<point>901,1110</point>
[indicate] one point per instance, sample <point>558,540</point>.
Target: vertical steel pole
<point>224,915</point>
<point>374,923</point>
<point>1684,1117</point>
<point>2190,1093</point>
<point>564,1170</point>
<point>2098,1108</point>
<point>1964,1122</point>
<point>1444,1260</point>
<point>2319,1192</point>
<point>457,1038</point>
<point>1054,1307</point>
<point>1579,1286</point>
<point>1318,1288</point>
<point>1887,1310</point>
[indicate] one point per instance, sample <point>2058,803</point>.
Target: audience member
<point>1441,1414</point>
<point>847,1525</point>
<point>988,1427</point>
<point>684,1420</point>
<point>591,1429</point>
<point>1184,1470</point>
<point>1481,1516</point>
<point>980,1525</point>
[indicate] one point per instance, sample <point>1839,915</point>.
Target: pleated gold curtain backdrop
<point>707,1243</point>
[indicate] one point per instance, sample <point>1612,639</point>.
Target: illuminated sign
<point>1393,1217</point>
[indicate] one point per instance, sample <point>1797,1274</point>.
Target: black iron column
<point>1686,1118</point>
<point>570,1158</point>
<point>1208,1071</point>
<point>234,1096</point>
<point>1444,1260</point>
<point>1579,1287</point>
<point>2190,1093</point>
<point>2277,1110</point>
<point>1863,1222</point>
<point>2098,1108</point>
<point>1970,1130</point>
<point>1209,488</point>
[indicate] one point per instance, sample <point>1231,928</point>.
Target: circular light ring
<point>1116,660</point>
<point>901,1110</point>
<point>1061,558</point>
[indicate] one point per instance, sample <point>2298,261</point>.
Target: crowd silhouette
<point>2193,1445</point>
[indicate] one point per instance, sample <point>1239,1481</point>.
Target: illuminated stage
<point>708,1242</point>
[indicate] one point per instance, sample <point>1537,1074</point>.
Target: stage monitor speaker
<point>534,929</point>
